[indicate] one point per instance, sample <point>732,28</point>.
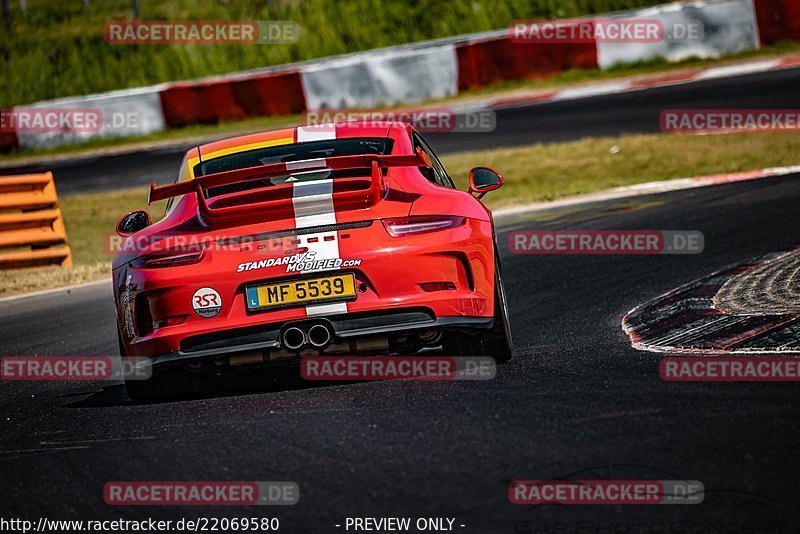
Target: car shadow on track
<point>203,387</point>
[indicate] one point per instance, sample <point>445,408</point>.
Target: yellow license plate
<point>338,287</point>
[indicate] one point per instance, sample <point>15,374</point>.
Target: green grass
<point>533,173</point>
<point>547,172</point>
<point>58,49</point>
<point>91,218</point>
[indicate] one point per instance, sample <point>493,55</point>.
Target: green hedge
<point>58,48</point>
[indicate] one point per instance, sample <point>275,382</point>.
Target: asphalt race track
<point>619,114</point>
<point>576,399</point>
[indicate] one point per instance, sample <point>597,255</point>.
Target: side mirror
<point>484,179</point>
<point>133,222</point>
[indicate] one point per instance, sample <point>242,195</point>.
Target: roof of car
<point>288,136</point>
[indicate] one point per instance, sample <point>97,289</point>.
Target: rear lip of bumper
<point>343,326</point>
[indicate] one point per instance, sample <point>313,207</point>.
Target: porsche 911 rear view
<point>346,239</point>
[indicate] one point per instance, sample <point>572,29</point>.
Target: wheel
<point>495,342</point>
<point>141,390</point>
<point>138,390</point>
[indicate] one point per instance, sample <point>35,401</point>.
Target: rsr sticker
<point>206,302</point>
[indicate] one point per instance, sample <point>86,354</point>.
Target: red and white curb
<point>687,320</point>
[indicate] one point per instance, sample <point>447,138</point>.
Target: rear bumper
<point>155,306</point>
<point>232,342</point>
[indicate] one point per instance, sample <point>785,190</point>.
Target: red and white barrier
<point>271,93</point>
<point>218,99</point>
<point>8,141</point>
<point>704,29</point>
<point>385,78</point>
<point>125,113</point>
<point>778,20</point>
<point>490,59</point>
<point>413,73</point>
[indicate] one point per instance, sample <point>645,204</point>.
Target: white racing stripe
<point>317,132</point>
<point>326,309</point>
<point>313,206</point>
<point>313,203</point>
<point>304,164</point>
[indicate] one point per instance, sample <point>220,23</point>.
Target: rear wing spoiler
<point>374,162</point>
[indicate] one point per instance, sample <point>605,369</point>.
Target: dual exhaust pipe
<point>295,337</point>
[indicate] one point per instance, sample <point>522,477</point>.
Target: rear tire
<point>140,390</point>
<point>497,342</point>
<point>137,390</point>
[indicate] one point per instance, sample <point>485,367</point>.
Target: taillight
<point>420,225</point>
<point>173,260</point>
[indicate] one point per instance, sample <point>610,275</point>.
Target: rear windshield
<point>297,152</point>
<point>286,153</point>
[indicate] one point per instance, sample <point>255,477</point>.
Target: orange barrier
<point>32,230</point>
<point>778,20</point>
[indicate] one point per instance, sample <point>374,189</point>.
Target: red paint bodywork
<point>154,305</point>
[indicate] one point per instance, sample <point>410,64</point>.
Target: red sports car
<point>318,240</point>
